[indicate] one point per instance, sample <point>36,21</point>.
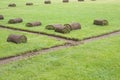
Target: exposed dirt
<point>69,43</point>
<point>29,54</point>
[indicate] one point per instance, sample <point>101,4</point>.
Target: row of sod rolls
<point>66,1</point>
<point>14,5</point>
<point>66,28</point>
<point>19,20</point>
<point>73,26</point>
<point>29,24</point>
<point>45,2</point>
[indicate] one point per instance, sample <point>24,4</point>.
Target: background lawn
<point>96,60</point>
<point>35,42</point>
<point>58,12</point>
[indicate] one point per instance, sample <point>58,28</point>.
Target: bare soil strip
<point>9,59</point>
<point>69,43</point>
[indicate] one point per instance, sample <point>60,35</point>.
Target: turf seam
<point>39,32</point>
<point>67,44</point>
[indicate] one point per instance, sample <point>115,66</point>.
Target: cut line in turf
<point>34,42</point>
<point>57,36</point>
<point>45,50</point>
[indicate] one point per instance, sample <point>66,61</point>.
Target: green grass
<point>58,12</point>
<point>96,60</point>
<point>34,42</point>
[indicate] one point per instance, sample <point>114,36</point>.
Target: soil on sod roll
<point>47,2</point>
<point>16,20</point>
<point>29,3</point>
<point>100,22</point>
<point>52,27</point>
<point>65,1</point>
<point>1,17</point>
<point>73,26</point>
<point>12,5</point>
<point>62,29</point>
<point>33,24</point>
<point>17,38</point>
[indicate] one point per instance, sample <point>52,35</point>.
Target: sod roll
<point>73,26</point>
<point>80,0</point>
<point>47,2</point>
<point>17,38</point>
<point>52,27</point>
<point>100,22</point>
<point>29,3</point>
<point>1,17</point>
<point>33,24</point>
<point>65,1</point>
<point>62,29</point>
<point>16,20</point>
<point>12,5</point>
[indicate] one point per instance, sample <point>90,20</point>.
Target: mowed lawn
<point>58,12</point>
<point>95,60</point>
<point>34,42</point>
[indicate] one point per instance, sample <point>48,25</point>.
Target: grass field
<point>96,60</point>
<point>35,42</point>
<point>58,12</point>
<point>93,60</point>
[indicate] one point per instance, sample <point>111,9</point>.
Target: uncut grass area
<point>58,12</point>
<point>34,42</point>
<point>95,60</point>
